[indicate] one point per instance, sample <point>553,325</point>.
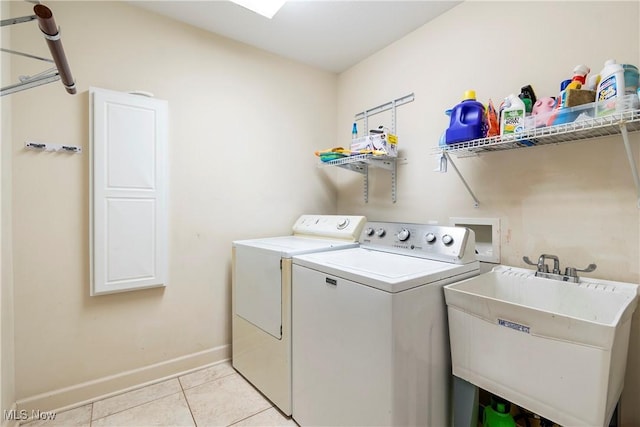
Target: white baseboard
<point>101,388</point>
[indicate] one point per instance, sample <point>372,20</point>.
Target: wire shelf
<point>360,162</point>
<point>586,129</point>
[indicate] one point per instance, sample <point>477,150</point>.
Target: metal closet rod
<point>50,30</point>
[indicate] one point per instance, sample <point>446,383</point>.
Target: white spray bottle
<point>610,88</point>
<point>512,118</point>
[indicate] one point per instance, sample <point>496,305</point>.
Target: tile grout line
<point>252,415</point>
<point>135,406</point>
<point>182,390</point>
<point>271,405</point>
<point>211,380</point>
<point>232,372</point>
<point>188,404</point>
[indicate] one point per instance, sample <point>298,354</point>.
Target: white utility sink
<point>556,348</point>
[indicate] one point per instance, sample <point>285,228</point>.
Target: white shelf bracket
<point>443,168</point>
<point>366,184</point>
<point>393,181</point>
<point>391,105</point>
<point>390,165</point>
<point>632,162</point>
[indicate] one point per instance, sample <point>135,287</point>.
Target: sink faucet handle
<point>541,267</point>
<point>573,272</point>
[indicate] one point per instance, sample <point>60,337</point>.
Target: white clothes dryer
<point>261,298</point>
<point>370,338</point>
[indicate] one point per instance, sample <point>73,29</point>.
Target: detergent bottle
<point>467,120</point>
<point>512,118</point>
<point>610,88</point>
<point>498,414</point>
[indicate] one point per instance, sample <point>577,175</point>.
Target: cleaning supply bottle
<point>443,137</point>
<point>528,96</point>
<point>467,120</point>
<point>580,74</point>
<point>631,79</point>
<point>354,131</point>
<point>512,118</point>
<point>592,82</point>
<point>493,129</point>
<point>610,88</point>
<point>498,414</point>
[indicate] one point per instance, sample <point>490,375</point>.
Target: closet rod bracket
<point>51,33</point>
<point>20,20</point>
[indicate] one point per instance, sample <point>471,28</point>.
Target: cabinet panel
<point>128,192</point>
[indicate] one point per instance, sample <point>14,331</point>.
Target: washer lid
<point>382,270</point>
<point>288,246</point>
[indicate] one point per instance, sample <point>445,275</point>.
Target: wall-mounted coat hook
<point>46,146</point>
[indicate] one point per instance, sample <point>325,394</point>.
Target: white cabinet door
<point>128,207</point>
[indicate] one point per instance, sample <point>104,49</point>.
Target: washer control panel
<point>451,244</point>
<point>344,227</point>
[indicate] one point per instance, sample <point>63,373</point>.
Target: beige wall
<point>7,384</point>
<point>243,127</point>
<point>243,124</point>
<point>575,200</point>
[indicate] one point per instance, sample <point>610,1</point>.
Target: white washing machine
<point>261,298</point>
<point>370,338</point>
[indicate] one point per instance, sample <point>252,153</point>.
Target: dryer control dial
<point>447,240</point>
<point>430,238</point>
<point>381,232</point>
<point>404,234</point>
<point>343,223</point>
<point>369,231</point>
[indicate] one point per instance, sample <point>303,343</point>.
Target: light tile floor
<point>214,396</point>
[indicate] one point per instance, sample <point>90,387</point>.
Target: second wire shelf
<point>360,163</point>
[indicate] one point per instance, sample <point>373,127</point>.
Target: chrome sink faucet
<point>542,266</point>
<point>570,273</point>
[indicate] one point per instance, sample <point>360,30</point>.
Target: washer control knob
<point>447,240</point>
<point>369,231</point>
<point>430,238</point>
<point>342,223</point>
<point>404,234</point>
<point>381,232</point>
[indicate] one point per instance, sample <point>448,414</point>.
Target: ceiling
<point>331,35</point>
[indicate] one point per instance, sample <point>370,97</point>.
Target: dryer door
<point>259,288</point>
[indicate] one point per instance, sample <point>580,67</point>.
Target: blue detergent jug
<point>467,120</point>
